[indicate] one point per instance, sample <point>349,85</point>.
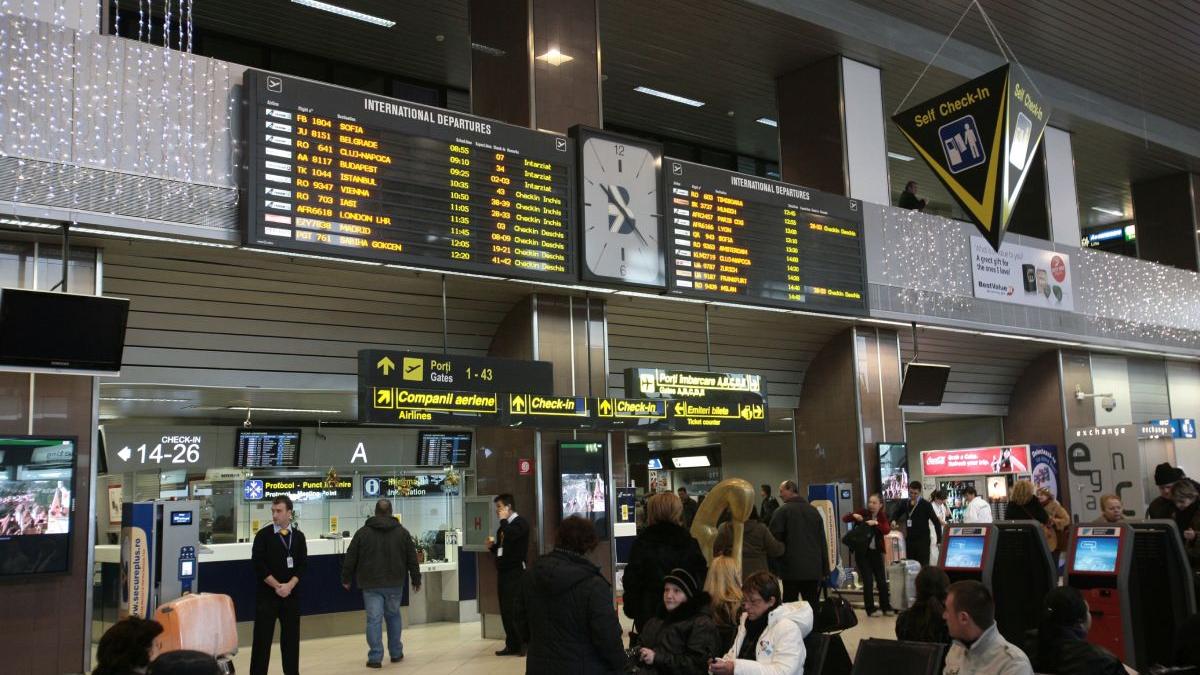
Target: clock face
<point>621,218</point>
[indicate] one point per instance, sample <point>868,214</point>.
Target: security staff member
<point>280,557</point>
<point>510,545</point>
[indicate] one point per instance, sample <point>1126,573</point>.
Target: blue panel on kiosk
<point>468,575</point>
<point>965,553</point>
<point>1097,555</point>
<point>823,491</point>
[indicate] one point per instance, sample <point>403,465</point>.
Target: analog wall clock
<point>622,219</point>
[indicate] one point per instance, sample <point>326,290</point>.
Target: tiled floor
<point>456,648</point>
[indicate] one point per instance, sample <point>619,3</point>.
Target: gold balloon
<point>734,494</point>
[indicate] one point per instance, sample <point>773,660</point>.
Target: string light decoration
<point>154,119</point>
<point>928,260</point>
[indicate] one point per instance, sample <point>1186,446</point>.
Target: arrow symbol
<point>386,365</point>
<point>125,453</point>
<point>383,397</point>
<point>517,403</point>
<point>605,408</point>
<point>680,409</point>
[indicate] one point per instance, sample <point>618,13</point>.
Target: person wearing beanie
<point>682,637</point>
<point>1165,476</point>
<point>1061,647</point>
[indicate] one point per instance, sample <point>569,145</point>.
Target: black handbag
<point>858,539</point>
<point>834,614</point>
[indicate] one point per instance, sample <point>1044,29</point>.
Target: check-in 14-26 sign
<point>980,140</point>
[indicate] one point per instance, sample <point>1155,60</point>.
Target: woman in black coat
<point>1023,504</point>
<point>660,547</point>
<point>1061,647</point>
<point>682,638</point>
<point>925,620</point>
<point>565,611</point>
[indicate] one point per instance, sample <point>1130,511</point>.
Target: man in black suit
<point>917,514</point>
<point>280,557</point>
<point>511,544</point>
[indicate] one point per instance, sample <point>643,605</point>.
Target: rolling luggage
<point>902,583</point>
<point>205,622</point>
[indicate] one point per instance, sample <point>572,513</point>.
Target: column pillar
<point>831,129</point>
<point>1166,212</point>
<point>1060,187</point>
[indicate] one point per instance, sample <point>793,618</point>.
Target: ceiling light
<point>767,121</point>
<point>27,223</point>
<point>282,410</point>
<point>485,49</point>
<point>902,158</point>
<point>555,57</point>
<point>670,97</point>
<point>348,13</point>
<point>1110,212</point>
<point>145,400</point>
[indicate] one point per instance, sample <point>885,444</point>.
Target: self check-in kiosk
<point>1137,582</point>
<point>1012,560</point>
<point>159,543</point>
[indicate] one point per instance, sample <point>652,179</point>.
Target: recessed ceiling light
<point>767,121</point>
<point>145,400</point>
<point>902,158</point>
<point>1111,212</point>
<point>670,97</point>
<point>348,13</point>
<point>486,49</point>
<point>555,57</point>
<point>282,410</point>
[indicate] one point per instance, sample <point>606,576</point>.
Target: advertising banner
<point>137,553</point>
<point>1102,461</point>
<point>1021,275</point>
<point>1045,467</point>
<point>980,139</point>
<point>976,461</point>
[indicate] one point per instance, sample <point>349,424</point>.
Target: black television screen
<point>893,471</point>
<point>583,482</point>
<point>266,448</point>
<point>924,384</point>
<point>37,475</point>
<point>444,448</point>
<point>61,331</point>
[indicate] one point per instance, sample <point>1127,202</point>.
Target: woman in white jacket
<point>770,639</point>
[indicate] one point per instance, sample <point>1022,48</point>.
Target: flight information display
<point>344,173</point>
<point>741,238</point>
<point>267,448</point>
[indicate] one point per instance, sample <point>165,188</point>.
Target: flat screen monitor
<point>267,448</point>
<point>61,331</point>
<point>37,475</point>
<point>964,553</point>
<point>655,463</point>
<point>893,471</point>
<point>1097,555</point>
<point>444,448</point>
<point>583,482</point>
<point>924,384</point>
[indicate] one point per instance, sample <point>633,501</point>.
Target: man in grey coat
<point>380,559</point>
<point>805,559</point>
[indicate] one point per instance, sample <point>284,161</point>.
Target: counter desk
<point>448,589</point>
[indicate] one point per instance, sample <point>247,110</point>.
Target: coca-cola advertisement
<point>976,461</point>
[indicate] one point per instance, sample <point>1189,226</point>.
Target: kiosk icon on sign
<point>962,144</point>
<point>253,489</point>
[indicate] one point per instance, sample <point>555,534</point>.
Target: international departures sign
<point>980,139</point>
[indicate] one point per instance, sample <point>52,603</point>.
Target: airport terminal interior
<point>899,301</point>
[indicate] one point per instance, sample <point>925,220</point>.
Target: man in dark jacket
<point>510,546</point>
<point>805,559</point>
<point>917,514</point>
<point>381,559</point>
<point>565,609</point>
<point>1165,476</point>
<point>280,557</point>
<point>769,504</point>
<point>690,507</point>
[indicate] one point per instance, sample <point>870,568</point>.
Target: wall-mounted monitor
<point>267,448</point>
<point>893,471</point>
<point>444,448</point>
<point>37,475</point>
<point>41,331</point>
<point>583,482</point>
<point>924,384</point>
<point>691,462</point>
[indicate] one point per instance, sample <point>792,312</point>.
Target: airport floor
<point>457,649</point>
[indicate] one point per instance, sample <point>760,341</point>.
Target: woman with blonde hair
<point>724,586</point>
<point>1058,520</point>
<point>1023,505</point>
<point>660,547</point>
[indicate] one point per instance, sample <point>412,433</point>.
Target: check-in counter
<point>448,591</point>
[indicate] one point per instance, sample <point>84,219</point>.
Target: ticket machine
<point>159,543</point>
<point>1137,582</point>
<point>1012,560</point>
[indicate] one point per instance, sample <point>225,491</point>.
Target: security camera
<point>1108,403</point>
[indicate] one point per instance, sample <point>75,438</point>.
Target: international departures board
<point>344,173</point>
<point>751,240</point>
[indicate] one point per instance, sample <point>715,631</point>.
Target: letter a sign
<point>980,139</point>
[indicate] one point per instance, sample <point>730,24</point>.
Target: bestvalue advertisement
<point>1021,275</point>
<point>976,461</point>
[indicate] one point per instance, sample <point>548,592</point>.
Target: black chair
<point>898,658</point>
<point>826,655</point>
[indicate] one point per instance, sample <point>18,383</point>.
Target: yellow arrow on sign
<point>605,408</point>
<point>383,397</point>
<point>386,365</point>
<point>517,403</point>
